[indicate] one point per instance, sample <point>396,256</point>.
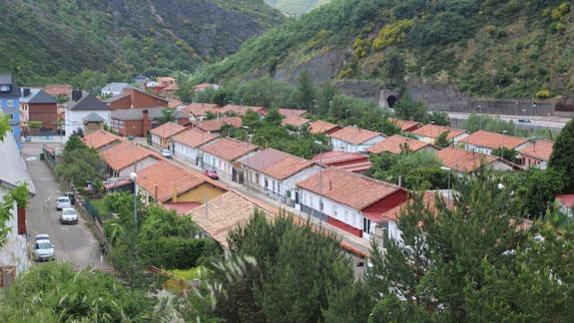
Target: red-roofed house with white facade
<point>349,201</point>
<point>354,139</point>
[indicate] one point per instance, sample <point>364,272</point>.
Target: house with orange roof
<point>199,111</point>
<point>240,110</point>
<point>464,162</point>
<point>397,144</point>
<point>227,212</point>
<point>222,155</point>
<point>286,113</point>
<point>295,121</point>
<point>126,157</point>
<point>349,201</point>
<point>101,140</point>
<point>160,136</point>
<point>430,132</point>
<point>215,125</point>
<point>405,125</point>
<point>167,183</point>
<point>354,139</point>
<point>535,153</point>
<point>276,173</point>
<point>186,144</point>
<point>485,142</point>
<point>351,162</point>
<point>320,127</point>
<point>131,98</point>
<point>565,203</point>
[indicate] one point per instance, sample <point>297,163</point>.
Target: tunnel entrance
<point>392,100</point>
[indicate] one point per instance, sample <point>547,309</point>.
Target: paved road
<point>535,121</point>
<point>74,243</point>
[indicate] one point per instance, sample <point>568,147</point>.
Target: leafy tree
<point>562,158</point>
<point>4,126</point>
<point>439,118</point>
<point>408,109</point>
<point>80,164</point>
<point>412,170</point>
<point>507,154</point>
<point>273,118</point>
<point>325,98</point>
<point>394,68</point>
<point>438,268</point>
<point>306,89</point>
<point>442,140</point>
<point>537,189</point>
<point>167,115</point>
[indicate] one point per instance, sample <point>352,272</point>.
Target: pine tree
<point>562,158</point>
<point>307,90</point>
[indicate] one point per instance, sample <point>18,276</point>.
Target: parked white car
<point>68,215</point>
<point>166,153</point>
<point>63,202</point>
<point>43,248</point>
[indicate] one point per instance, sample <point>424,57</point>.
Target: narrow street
<point>73,243</point>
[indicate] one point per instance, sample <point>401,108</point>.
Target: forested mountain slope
<point>485,47</point>
<point>41,38</point>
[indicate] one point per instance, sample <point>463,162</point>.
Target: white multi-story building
<point>485,142</point>
<point>13,171</point>
<point>86,113</point>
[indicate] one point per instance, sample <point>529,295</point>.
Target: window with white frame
<point>10,103</point>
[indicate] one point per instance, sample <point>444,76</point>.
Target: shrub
<point>543,94</point>
<point>392,34</point>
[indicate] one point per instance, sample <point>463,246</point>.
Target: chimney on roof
<point>145,122</point>
<point>76,94</point>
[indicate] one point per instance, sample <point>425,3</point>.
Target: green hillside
<point>42,38</point>
<point>295,7</point>
<point>510,48</point>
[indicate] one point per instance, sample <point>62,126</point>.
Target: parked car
<point>43,248</point>
<point>166,153</point>
<point>523,120</point>
<point>211,174</point>
<point>69,215</point>
<point>63,202</point>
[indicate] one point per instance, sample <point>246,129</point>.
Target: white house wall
<point>348,147</point>
<point>74,119</point>
<point>185,152</point>
<point>13,252</point>
<point>137,167</point>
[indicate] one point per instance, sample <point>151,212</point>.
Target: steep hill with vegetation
<point>42,38</point>
<point>484,47</point>
<point>295,7</point>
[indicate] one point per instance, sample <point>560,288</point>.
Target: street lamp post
<point>247,182</point>
<point>320,182</point>
<point>449,170</point>
<point>133,178</point>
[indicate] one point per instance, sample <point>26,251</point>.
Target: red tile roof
<point>287,167</point>
<point>240,110</point>
<point>193,137</point>
<point>167,130</point>
<point>353,190</point>
<point>58,89</point>
<point>351,162</point>
<point>201,109</point>
<point>395,143</point>
<point>99,139</point>
<point>320,127</point>
<point>295,121</point>
<point>181,208</point>
<point>228,149</point>
<point>566,199</point>
<point>354,135</point>
<point>125,154</point>
<point>433,131</point>
<point>493,140</point>
<point>174,104</point>
<point>164,181</point>
<point>462,160</point>
<point>540,149</point>
<point>405,125</point>
<point>429,200</point>
<point>215,125</point>
<point>292,112</point>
